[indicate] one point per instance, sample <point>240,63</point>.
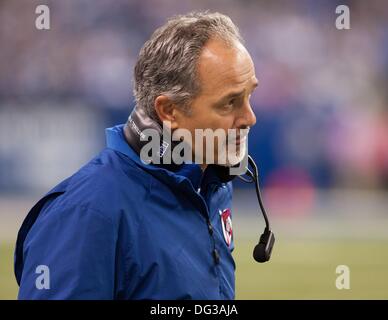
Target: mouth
<point>240,140</point>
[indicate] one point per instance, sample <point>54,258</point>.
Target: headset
<point>263,249</point>
<point>138,121</point>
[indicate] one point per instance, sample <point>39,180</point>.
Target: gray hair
<point>167,63</point>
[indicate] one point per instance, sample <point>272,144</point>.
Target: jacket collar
<point>115,140</point>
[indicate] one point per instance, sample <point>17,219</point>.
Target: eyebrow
<point>232,95</point>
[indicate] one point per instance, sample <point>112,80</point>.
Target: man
<point>124,228</point>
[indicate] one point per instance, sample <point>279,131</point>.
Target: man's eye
<point>231,102</point>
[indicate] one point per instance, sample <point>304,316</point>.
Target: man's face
<point>227,77</point>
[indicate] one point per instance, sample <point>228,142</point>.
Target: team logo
<point>226,222</point>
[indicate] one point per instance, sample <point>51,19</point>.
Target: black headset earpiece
<point>263,249</point>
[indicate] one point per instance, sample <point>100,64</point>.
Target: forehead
<point>223,67</point>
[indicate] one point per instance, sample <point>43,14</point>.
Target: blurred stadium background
<point>321,139</point>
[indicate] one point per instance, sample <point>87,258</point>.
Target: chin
<point>234,156</point>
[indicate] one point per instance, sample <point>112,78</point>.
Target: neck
<point>203,166</point>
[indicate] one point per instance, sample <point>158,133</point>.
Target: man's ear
<point>166,110</point>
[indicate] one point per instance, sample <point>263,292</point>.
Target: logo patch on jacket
<point>226,222</point>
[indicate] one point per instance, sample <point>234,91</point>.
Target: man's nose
<point>247,117</point>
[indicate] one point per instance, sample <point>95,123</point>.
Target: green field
<point>306,270</point>
<point>298,270</point>
<point>8,286</point>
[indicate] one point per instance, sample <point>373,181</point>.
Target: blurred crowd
<point>321,106</point>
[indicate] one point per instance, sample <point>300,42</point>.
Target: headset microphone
<point>263,249</point>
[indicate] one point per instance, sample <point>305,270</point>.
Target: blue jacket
<point>121,229</point>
